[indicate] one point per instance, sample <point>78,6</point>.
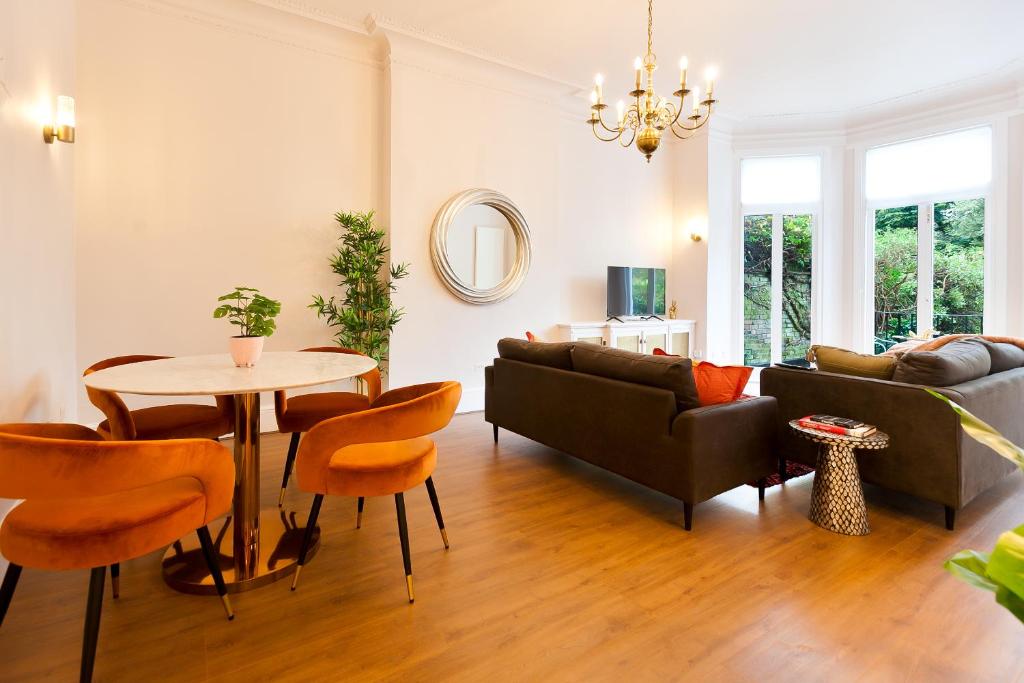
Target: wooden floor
<point>559,571</point>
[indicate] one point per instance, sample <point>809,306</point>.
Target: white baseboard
<point>472,400</point>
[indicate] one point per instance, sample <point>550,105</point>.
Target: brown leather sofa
<point>639,429</point>
<point>929,455</point>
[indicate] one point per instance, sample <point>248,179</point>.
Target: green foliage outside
<point>363,315</point>
<point>959,269</point>
<point>252,312</point>
<point>796,287</point>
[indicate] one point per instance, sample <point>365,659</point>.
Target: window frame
<point>925,203</point>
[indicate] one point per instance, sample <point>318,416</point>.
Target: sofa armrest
<point>727,444</point>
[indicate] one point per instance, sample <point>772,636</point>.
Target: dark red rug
<point>793,470</point>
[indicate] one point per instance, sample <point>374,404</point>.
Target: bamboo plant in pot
<point>254,315</point>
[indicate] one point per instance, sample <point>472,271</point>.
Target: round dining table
<point>264,544</point>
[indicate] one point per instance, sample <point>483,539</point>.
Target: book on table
<point>837,425</point>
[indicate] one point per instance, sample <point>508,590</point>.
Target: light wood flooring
<point>559,571</point>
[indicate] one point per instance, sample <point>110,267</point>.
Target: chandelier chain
<point>650,27</point>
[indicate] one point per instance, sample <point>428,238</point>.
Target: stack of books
<point>837,425</point>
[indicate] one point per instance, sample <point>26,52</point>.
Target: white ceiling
<point>774,56</point>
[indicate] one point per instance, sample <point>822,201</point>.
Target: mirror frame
<point>439,240</point>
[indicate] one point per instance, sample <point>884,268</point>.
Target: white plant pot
<point>245,351</point>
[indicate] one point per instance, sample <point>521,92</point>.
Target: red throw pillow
<point>717,384</point>
<point>530,336</point>
<point>661,352</point>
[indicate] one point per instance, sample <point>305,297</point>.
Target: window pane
<point>796,287</point>
<point>780,180</point>
<point>942,163</point>
<point>959,266</point>
<point>757,289</point>
<point>895,275</point>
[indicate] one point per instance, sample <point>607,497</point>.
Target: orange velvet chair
<point>378,452</point>
<point>90,503</point>
<point>176,421</point>
<point>301,413</point>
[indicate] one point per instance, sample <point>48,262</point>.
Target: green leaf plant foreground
<point>1001,571</point>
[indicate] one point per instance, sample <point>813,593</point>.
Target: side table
<point>837,499</point>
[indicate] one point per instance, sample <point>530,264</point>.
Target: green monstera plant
<point>1002,570</point>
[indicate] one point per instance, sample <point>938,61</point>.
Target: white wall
<point>36,210</point>
<point>213,151</point>
<point>457,123</point>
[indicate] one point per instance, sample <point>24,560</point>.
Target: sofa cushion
<point>663,372</point>
<point>1004,356</point>
<point>843,362</point>
<point>955,363</point>
<point>554,355</point>
<point>720,384</point>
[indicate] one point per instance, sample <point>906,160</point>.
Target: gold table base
<point>255,546</point>
<point>280,534</point>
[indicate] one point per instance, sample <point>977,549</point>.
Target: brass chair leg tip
<point>227,607</point>
<point>408,583</point>
<point>444,537</point>
<point>280,499</point>
<point>295,579</point>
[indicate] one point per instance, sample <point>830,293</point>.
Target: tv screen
<point>635,291</point>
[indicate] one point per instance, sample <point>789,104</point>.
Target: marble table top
<point>217,375</point>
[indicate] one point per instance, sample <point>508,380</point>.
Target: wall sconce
<point>64,127</point>
<point>698,229</point>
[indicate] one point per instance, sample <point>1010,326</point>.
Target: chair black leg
<point>950,517</point>
<point>92,622</point>
<point>307,539</point>
<point>115,580</point>
<point>782,470</point>
<point>495,433</point>
<point>761,484</point>
<point>432,492</point>
<point>403,535</point>
<point>210,554</point>
<point>7,589</point>
<point>359,511</point>
<point>688,516</point>
<point>289,462</point>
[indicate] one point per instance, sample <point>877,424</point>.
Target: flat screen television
<point>635,292</point>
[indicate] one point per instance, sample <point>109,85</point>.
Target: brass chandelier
<point>649,115</point>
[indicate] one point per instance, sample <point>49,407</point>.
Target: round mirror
<point>480,246</point>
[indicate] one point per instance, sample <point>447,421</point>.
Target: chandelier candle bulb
<point>593,97</point>
<point>598,82</point>
<point>711,74</point>
<point>696,99</point>
<point>638,65</point>
<point>683,64</point>
<point>621,108</point>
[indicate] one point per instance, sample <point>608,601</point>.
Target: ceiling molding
<point>244,23</point>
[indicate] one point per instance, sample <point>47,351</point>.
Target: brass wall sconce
<point>64,127</point>
<point>698,229</point>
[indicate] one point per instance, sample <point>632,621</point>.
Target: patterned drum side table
<point>837,499</point>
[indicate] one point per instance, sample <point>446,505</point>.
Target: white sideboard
<point>642,336</point>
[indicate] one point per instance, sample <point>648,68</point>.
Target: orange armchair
<point>176,421</point>
<point>378,452</point>
<point>90,503</point>
<point>301,413</point>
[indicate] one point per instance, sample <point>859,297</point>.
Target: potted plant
<point>254,315</point>
<point>1002,570</point>
<point>364,315</point>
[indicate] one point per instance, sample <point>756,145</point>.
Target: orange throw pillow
<point>717,384</point>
